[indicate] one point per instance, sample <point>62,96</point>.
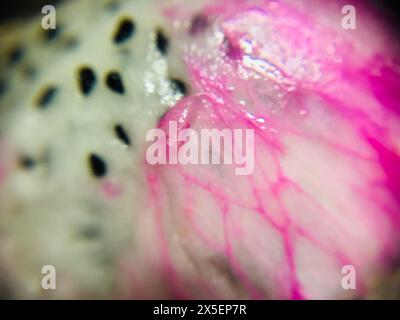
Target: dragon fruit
<point>77,191</point>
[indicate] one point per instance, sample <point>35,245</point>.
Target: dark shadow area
<point>390,11</point>
<point>12,9</point>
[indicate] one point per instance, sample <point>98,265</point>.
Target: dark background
<point>10,9</point>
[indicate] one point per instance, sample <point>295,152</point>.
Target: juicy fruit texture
<point>70,183</point>
<point>324,193</point>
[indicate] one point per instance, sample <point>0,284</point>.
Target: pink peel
<point>324,192</point>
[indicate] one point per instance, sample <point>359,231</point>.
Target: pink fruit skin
<point>323,102</point>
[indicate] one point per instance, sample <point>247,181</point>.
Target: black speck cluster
<point>87,82</point>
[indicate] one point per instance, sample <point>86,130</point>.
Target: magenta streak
<point>386,88</point>
<point>390,162</point>
<point>170,274</point>
<point>254,292</point>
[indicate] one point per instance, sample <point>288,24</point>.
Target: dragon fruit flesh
<point>78,193</point>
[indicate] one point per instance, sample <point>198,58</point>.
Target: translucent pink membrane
<point>110,189</point>
<point>324,104</point>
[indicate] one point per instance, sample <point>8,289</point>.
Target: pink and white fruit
<point>325,191</point>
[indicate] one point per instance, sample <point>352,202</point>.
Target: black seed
<point>125,30</point>
<point>29,72</point>
<point>90,232</point>
<point>3,87</point>
<point>114,82</point>
<point>122,135</point>
<point>52,34</point>
<point>97,165</point>
<point>112,5</point>
<point>46,97</point>
<point>70,42</point>
<point>162,42</point>
<point>16,55</point>
<point>199,23</point>
<point>87,80</point>
<point>27,162</point>
<point>179,86</point>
